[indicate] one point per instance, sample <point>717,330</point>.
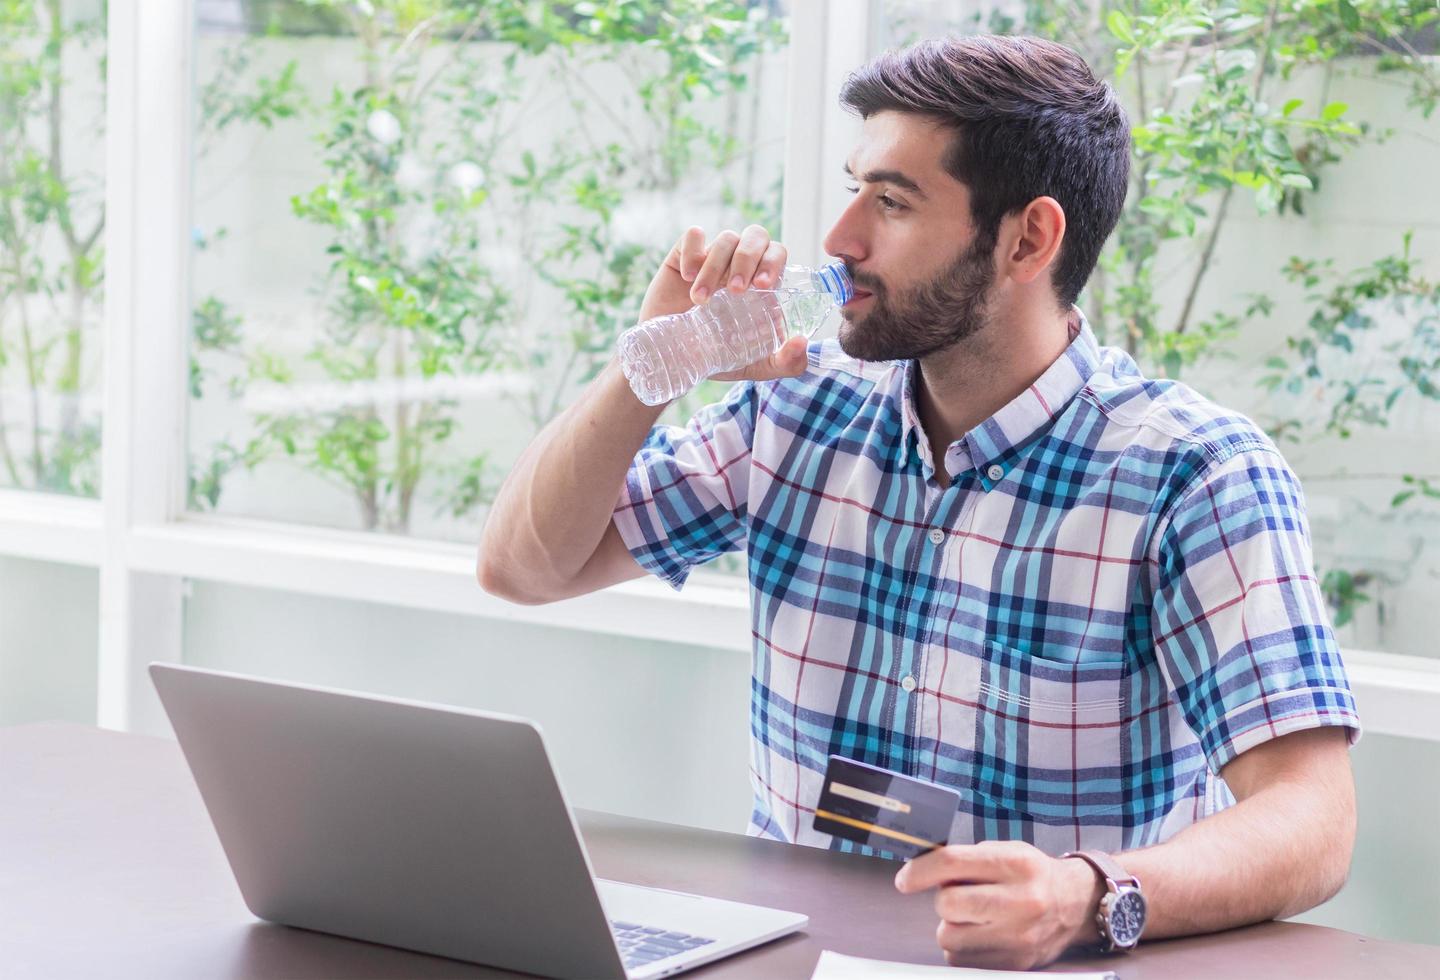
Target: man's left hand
<point>1006,905</point>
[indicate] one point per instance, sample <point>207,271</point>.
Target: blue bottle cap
<point>836,280</point>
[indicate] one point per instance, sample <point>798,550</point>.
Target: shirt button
<point>936,535</point>
<point>908,683</point>
<point>995,472</point>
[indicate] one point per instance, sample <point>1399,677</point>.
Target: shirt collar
<point>994,446</point>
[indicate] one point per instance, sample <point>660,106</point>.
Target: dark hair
<point>1030,120</point>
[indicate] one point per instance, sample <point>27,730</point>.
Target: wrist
<point>619,388</point>
<point>1084,888</point>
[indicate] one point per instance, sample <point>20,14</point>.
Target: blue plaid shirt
<point>1113,599</point>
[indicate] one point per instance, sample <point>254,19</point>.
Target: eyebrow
<point>888,177</point>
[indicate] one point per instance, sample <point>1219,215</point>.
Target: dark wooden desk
<point>109,868</point>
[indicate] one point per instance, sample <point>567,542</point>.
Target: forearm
<point>1272,855</point>
<point>556,504</point>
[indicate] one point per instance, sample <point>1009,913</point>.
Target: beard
<point>927,318</point>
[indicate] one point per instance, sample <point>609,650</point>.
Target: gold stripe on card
<point>872,828</point>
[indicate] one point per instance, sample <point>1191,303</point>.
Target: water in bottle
<point>665,357</point>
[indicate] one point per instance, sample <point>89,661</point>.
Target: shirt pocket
<point>1049,735</point>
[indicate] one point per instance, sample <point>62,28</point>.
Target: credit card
<point>883,809</point>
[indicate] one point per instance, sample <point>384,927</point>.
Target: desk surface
<point>109,867</point>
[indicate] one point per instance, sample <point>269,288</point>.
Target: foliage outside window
<point>496,184</point>
<point>51,245</point>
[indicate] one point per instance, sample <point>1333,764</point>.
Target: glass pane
<point>52,241</point>
<point>1277,252</point>
<point>419,228</point>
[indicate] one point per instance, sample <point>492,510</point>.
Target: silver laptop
<point>432,828</point>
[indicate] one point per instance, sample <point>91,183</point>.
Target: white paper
<point>835,966</point>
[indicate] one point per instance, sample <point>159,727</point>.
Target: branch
<point>55,118</point>
<point>88,242</point>
<point>460,42</point>
<point>1205,257</point>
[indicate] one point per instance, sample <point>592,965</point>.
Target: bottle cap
<point>835,278</point>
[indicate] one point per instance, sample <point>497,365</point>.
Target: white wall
<point>49,628</point>
<point>639,727</point>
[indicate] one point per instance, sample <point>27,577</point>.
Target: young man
<point>984,550</point>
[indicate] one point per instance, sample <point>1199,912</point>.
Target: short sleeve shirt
<point>1113,598</point>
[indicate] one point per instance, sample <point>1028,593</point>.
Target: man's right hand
<point>693,272</point>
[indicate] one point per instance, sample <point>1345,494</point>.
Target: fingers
<point>990,946</point>
<point>987,861</point>
<point>973,904</point>
<point>772,266</point>
<point>984,947</point>
<point>731,262</point>
<point>1015,924</point>
<point>754,241</point>
<point>691,252</point>
<point>712,273</point>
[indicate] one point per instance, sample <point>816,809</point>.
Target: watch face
<point>1127,918</point>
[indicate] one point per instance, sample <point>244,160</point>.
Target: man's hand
<point>1006,905</point>
<point>693,272</point>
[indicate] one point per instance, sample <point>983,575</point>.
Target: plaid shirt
<point>1113,599</point>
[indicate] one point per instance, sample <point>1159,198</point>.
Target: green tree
<point>51,250</point>
<point>424,188</point>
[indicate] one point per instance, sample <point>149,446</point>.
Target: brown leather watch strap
<point>1107,866</point>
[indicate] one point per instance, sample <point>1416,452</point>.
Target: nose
<point>848,237</point>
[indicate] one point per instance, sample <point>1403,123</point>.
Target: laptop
<point>432,828</point>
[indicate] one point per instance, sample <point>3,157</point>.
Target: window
<point>52,242</point>
<point>419,230</point>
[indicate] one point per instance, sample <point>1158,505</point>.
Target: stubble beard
<point>928,318</point>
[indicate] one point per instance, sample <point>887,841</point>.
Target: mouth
<point>859,297</point>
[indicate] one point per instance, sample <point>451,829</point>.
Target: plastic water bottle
<point>665,357</point>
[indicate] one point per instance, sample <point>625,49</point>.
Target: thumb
<point>791,359</point>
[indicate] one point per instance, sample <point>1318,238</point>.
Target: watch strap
<point>1108,867</point>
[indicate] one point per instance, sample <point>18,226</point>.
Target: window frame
<point>145,545</point>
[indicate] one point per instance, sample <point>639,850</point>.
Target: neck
<point>966,383</point>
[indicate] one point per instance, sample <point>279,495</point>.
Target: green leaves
<point>1119,24</point>
<point>1344,592</point>
<point>461,242</point>
<point>1349,16</point>
<point>1419,486</point>
<point>1348,310</point>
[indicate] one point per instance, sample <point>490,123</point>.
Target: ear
<point>1034,239</point>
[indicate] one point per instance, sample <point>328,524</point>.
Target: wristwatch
<point>1122,909</point>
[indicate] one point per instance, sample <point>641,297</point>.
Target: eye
<point>886,201</point>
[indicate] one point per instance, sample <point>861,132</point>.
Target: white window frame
<point>144,544</point>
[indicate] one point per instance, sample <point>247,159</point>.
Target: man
<point>984,550</point>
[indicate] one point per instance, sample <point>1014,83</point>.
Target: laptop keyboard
<point>640,945</point>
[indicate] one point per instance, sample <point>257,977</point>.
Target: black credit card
<point>883,809</point>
